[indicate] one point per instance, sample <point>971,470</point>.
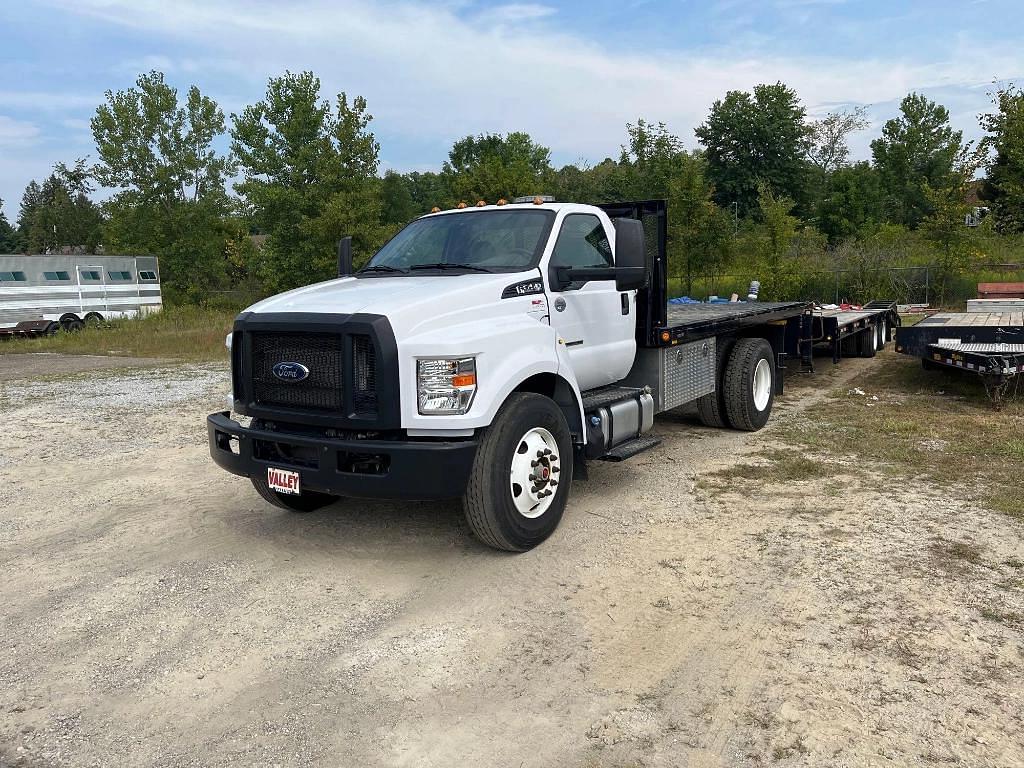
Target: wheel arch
<point>560,390</point>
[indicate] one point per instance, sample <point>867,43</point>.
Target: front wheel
<point>519,484</point>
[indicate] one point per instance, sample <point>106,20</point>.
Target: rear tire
<point>711,407</point>
<point>867,342</point>
<point>307,501</point>
<point>749,384</point>
<point>502,507</point>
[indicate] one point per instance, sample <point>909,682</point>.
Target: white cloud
<point>437,72</point>
<point>17,133</point>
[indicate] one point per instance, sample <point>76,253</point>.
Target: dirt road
<point>155,612</point>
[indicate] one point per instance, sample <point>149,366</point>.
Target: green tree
<point>59,214</point>
<point>309,178</point>
<point>852,202</point>
<point>916,151</point>
<point>1004,185</point>
<point>397,202</point>
<point>10,240</point>
<point>491,166</point>
<point>751,139</point>
<point>173,201</point>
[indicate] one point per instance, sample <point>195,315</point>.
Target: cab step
<point>631,448</point>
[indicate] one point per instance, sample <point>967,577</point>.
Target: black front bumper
<point>402,469</point>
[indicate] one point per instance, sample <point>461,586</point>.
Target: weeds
<point>178,332</point>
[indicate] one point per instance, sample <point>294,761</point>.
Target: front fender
<point>507,353</point>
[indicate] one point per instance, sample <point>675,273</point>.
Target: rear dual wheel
<point>745,390</point>
<point>749,384</point>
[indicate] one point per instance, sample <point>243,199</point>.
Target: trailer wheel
<point>519,484</point>
<point>867,342</point>
<point>749,384</point>
<point>52,329</point>
<point>94,320</point>
<point>307,501</point>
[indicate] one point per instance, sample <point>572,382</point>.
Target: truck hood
<point>406,301</point>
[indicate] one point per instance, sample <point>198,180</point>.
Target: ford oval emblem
<point>290,371</point>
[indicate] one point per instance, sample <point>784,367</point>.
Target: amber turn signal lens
<point>665,336</point>
<point>464,380</point>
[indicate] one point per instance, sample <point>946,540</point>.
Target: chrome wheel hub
<point>534,474</point>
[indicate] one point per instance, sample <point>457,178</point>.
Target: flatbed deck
<point>691,322</point>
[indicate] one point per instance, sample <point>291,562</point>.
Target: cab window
<point>582,243</point>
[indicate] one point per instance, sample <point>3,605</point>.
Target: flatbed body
<point>692,322</point>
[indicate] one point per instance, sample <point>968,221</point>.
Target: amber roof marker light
<point>502,201</point>
<point>461,205</point>
<point>481,203</point>
<point>435,209</point>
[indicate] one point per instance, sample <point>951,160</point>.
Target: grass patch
<point>781,467</point>
<point>178,332</point>
<point>955,556</point>
<point>924,427</point>
<point>1010,619</point>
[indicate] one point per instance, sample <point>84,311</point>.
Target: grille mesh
<point>364,376</point>
<point>321,353</point>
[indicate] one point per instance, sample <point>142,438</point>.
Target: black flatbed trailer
<point>849,332</point>
<point>990,344</point>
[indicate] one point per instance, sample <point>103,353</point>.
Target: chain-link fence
<point>928,284</point>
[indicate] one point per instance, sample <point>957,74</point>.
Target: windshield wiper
<point>383,268</point>
<point>445,265</point>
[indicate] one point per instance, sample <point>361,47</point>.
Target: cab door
<point>595,321</point>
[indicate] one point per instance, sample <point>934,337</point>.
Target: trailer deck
<point>838,329</point>
<point>691,322</point>
<point>990,344</point>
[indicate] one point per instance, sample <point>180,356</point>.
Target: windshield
<point>478,241</point>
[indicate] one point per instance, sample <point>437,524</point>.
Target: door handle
<point>625,303</point>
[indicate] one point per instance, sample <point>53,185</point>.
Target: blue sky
<point>571,73</point>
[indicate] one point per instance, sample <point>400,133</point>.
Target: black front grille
<point>364,376</point>
<point>321,353</point>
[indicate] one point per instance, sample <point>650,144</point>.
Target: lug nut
<point>556,468</point>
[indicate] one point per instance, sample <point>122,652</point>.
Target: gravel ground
<point>155,612</point>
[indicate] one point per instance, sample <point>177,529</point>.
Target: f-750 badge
<point>525,288</point>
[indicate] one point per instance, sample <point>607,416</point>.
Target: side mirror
<point>345,256</point>
<point>631,264</point>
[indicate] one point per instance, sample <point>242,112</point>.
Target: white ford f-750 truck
<point>488,353</point>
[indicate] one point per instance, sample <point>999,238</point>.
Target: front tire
<point>519,484</point>
<point>749,385</point>
<point>307,501</point>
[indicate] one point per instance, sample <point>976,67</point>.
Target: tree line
<point>769,193</point>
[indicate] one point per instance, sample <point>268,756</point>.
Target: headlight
<point>445,386</point>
